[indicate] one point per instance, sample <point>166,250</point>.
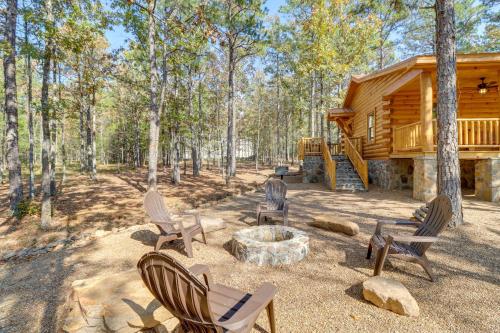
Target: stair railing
<point>357,161</point>
<point>330,166</point>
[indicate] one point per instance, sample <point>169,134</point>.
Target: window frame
<point>368,138</point>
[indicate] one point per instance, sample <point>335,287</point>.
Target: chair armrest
<point>380,224</point>
<point>194,214</point>
<point>199,269</point>
<point>167,227</point>
<point>256,303</point>
<point>261,206</point>
<point>411,239</point>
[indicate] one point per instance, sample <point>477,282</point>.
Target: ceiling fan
<point>483,87</point>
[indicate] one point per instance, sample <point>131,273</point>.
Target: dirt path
<point>320,294</point>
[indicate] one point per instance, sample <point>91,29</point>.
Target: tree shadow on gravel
<point>39,281</point>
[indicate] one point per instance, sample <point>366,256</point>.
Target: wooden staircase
<point>347,179</point>
<point>344,172</point>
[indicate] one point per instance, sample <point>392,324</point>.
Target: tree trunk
<point>63,147</point>
<point>231,122</point>
<point>93,165</point>
<point>137,146</point>
<point>447,146</point>
<point>199,156</point>
<point>287,123</point>
<point>154,111</point>
<point>63,121</point>
<point>278,112</point>
<point>257,144</point>
<point>311,108</point>
<point>82,103</point>
<point>320,113</point>
<point>89,143</point>
<point>12,136</point>
<point>53,138</point>
<point>194,144</point>
<point>176,172</point>
<point>29,115</point>
<point>46,214</point>
<point>2,148</point>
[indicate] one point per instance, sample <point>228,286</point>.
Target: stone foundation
<point>391,174</point>
<point>313,169</point>
<point>425,178</point>
<point>487,178</point>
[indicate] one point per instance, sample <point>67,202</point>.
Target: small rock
<point>336,224</point>
<point>390,295</point>
<point>114,230</point>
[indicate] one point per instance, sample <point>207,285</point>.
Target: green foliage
<point>27,208</point>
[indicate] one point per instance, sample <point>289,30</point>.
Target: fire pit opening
<point>270,245</point>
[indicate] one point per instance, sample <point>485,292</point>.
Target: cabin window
<point>371,127</point>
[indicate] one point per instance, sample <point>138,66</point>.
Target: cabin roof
<point>421,62</point>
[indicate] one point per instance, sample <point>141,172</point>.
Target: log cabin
<point>389,130</point>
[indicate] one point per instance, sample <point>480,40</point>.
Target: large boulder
<point>390,295</point>
<point>210,224</point>
<point>118,303</point>
<point>335,224</point>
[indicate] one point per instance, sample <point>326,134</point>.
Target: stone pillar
<point>487,174</point>
<point>424,178</point>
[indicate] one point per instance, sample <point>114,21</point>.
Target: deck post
<point>427,134</point>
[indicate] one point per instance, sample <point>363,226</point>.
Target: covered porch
<point>411,102</point>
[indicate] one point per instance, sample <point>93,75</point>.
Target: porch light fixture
<point>482,88</point>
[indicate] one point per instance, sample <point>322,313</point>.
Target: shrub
<point>27,208</point>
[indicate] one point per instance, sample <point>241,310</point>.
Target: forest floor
<point>115,201</point>
<point>322,293</point>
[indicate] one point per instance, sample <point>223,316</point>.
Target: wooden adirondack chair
<point>202,305</point>
<point>275,203</point>
<point>412,248</point>
<point>171,227</point>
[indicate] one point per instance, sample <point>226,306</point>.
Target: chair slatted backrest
<point>178,290</point>
<point>156,209</point>
<point>437,218</point>
<point>276,193</point>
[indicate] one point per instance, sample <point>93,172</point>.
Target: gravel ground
<point>320,294</point>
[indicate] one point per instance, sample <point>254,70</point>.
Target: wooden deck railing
<point>330,166</point>
<point>407,137</point>
<point>472,133</point>
<point>478,132</point>
<point>359,164</point>
<point>335,148</point>
<point>357,142</point>
<point>309,146</point>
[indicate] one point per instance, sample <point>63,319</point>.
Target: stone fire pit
<point>270,245</point>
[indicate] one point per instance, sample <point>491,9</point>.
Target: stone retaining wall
<point>314,169</point>
<point>391,174</point>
